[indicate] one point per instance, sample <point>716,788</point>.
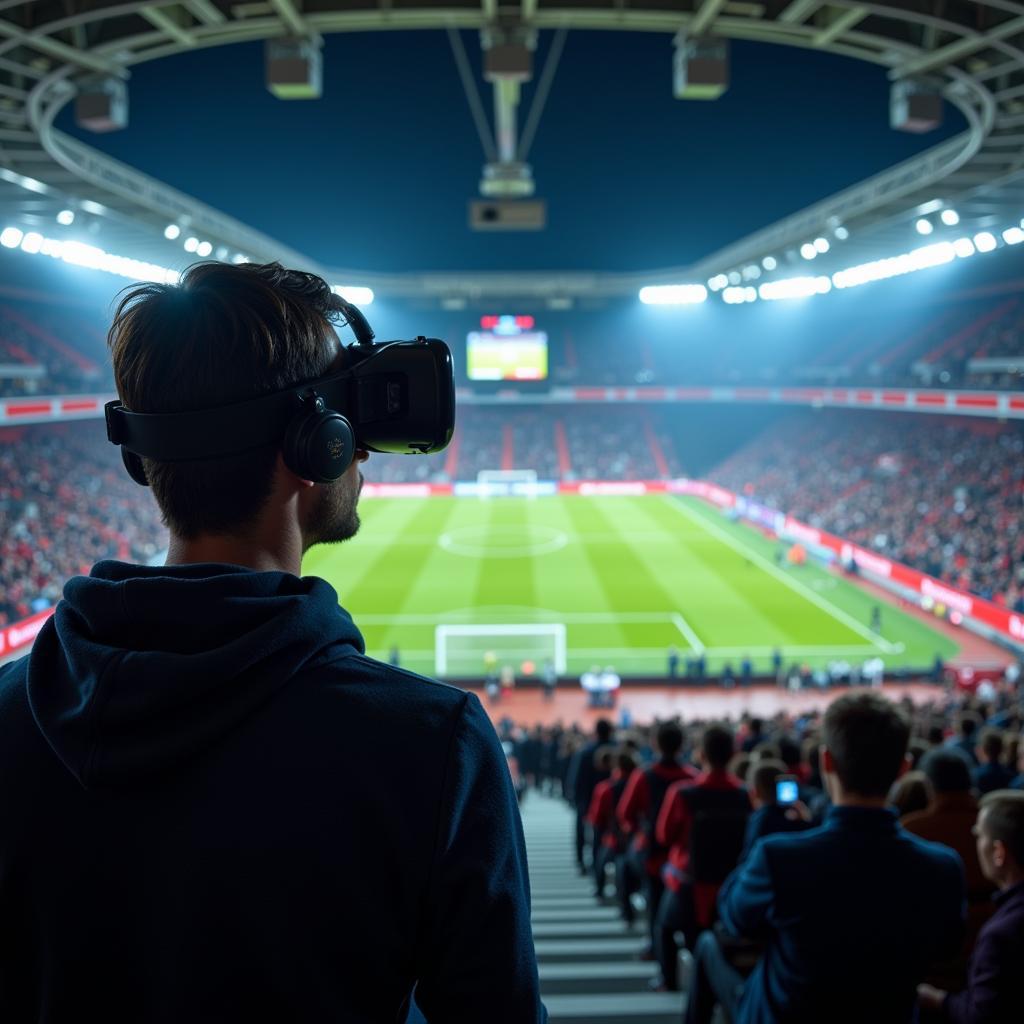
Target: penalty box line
<point>795,585</point>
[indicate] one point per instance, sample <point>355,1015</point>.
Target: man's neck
<point>878,803</point>
<point>232,550</point>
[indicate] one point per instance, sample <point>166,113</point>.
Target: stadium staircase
<point>590,972</point>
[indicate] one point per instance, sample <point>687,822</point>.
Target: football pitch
<point>617,580</point>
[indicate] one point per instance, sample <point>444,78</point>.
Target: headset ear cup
<point>319,446</point>
<point>133,463</point>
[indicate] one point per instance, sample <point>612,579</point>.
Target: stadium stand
<point>941,495</point>
<point>65,503</point>
<point>592,956</point>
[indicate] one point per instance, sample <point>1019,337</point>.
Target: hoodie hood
<point>142,667</point>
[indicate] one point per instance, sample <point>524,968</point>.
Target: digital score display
<point>507,348</point>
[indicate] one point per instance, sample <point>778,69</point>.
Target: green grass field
<point>626,576</point>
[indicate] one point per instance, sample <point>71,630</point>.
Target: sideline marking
<point>687,630</point>
<point>773,570</point>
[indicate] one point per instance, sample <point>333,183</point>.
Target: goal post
<point>504,483</point>
<point>461,650</point>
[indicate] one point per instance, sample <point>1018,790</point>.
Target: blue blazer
<point>851,914</point>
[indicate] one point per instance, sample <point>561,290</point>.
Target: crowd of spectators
<point>943,495</point>
<point>65,503</point>
<point>684,821</point>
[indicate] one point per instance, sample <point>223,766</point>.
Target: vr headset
<point>396,397</point>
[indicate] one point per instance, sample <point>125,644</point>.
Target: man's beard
<point>336,517</point>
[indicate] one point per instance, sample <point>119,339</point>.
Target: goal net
<point>470,650</point>
<point>504,483</point>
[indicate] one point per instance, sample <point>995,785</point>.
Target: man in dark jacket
<point>215,806</point>
<point>583,777</point>
<point>850,914</point>
<point>995,986</point>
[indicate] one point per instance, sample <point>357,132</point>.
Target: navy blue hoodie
<point>215,807</point>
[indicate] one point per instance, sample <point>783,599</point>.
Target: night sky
<point>377,174</point>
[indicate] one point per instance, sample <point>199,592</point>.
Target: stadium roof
<point>973,52</point>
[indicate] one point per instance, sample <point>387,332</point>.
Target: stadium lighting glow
<point>652,295</point>
<point>239,258</point>
<point>81,255</point>
<point>204,249</point>
<point>1013,236</point>
<point>66,217</point>
<point>769,263</point>
<point>924,226</point>
<point>950,218</point>
<point>360,296</point>
<point>794,288</point>
<point>734,277</point>
<point>821,244</point>
<point>879,270</point>
<point>963,247</point>
<point>751,273</point>
<point>191,243</point>
<point>808,251</point>
<point>842,233</point>
<point>736,296</point>
<point>171,232</point>
<point>718,282</point>
<point>985,241</point>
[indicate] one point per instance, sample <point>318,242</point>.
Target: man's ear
<point>284,472</point>
<point>826,761</point>
<point>905,765</point>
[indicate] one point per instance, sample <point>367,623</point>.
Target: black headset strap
<point>227,430</point>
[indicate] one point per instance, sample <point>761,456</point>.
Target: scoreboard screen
<point>507,348</point>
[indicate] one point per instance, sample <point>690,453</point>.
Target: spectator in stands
<point>769,815</point>
<point>965,742</point>
<point>995,987</point>
<point>638,812</point>
<point>200,735</point>
<point>608,839</point>
<point>991,773</point>
<point>851,913</point>
<point>713,792</point>
<point>584,775</point>
<point>911,793</point>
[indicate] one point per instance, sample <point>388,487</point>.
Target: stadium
<point>697,464</point>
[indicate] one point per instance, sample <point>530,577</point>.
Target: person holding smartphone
<point>776,799</point>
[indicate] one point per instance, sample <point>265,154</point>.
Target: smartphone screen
<point>786,790</point>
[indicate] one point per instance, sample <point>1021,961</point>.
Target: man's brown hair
<point>224,334</point>
<point>867,736</point>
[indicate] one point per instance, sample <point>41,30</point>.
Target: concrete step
<point>580,929</point>
<point>627,976</point>
<point>579,914</point>
<point>564,902</point>
<point>642,1008</point>
<point>567,950</point>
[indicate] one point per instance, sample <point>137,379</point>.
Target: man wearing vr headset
<point>215,806</point>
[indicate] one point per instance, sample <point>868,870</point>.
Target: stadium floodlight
<point>950,218</point>
<point>191,243</point>
<point>1013,236</point>
<point>32,242</point>
<point>879,270</point>
<point>718,282</point>
<point>842,233</point>
<point>673,294</point>
<point>66,217</point>
<point>821,245</point>
<point>751,273</point>
<point>794,288</point>
<point>963,247</point>
<point>221,253</point>
<point>985,241</point>
<point>808,251</point>
<point>734,277</point>
<point>737,296</point>
<point>171,232</point>
<point>204,249</point>
<point>354,293</point>
<point>239,257</point>
<point>10,238</point>
<point>769,263</point>
<point>924,226</point>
